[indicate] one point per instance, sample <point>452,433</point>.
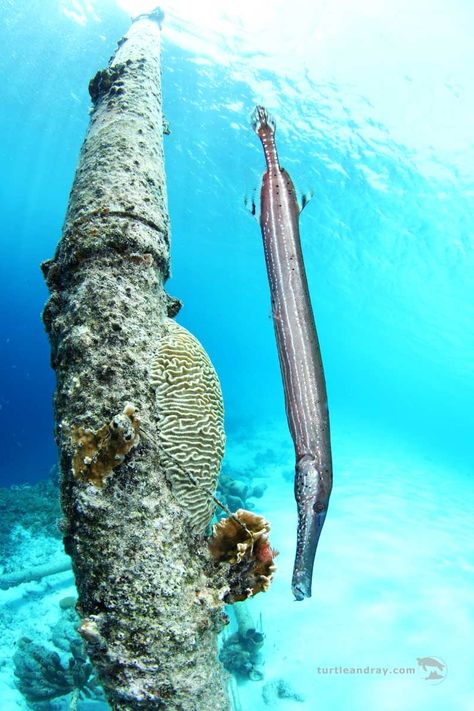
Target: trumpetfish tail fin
<point>263,122</point>
<point>264,126</point>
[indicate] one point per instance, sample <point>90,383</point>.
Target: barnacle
<point>98,453</point>
<point>191,421</point>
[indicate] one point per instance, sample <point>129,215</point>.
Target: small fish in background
<point>298,351</point>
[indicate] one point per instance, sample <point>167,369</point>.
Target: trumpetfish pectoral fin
<point>305,199</point>
<point>251,206</point>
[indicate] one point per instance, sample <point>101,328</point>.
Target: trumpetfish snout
<point>312,498</point>
<point>298,351</point>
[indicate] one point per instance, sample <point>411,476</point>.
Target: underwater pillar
<point>150,614</point>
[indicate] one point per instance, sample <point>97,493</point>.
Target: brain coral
<point>191,421</point>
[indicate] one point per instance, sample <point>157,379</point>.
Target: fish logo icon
<point>435,669</point>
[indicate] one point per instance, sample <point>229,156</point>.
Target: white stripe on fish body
<point>279,222</point>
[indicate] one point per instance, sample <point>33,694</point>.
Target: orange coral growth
<point>265,553</point>
<point>98,453</point>
<point>241,540</point>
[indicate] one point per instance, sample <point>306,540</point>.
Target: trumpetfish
<point>298,351</point>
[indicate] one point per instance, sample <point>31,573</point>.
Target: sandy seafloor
<point>393,582</point>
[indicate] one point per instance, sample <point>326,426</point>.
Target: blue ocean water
<point>373,103</point>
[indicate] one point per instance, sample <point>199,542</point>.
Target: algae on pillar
<point>149,607</point>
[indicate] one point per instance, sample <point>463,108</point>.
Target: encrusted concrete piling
<point>150,611</point>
